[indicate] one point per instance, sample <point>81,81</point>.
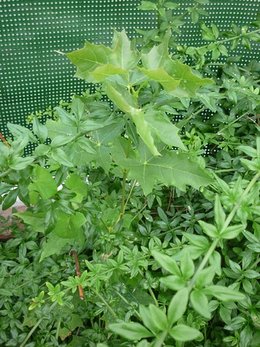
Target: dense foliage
<point>149,187</point>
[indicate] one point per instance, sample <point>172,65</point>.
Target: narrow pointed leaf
<point>200,303</point>
<point>168,263</point>
<point>131,331</point>
<point>178,305</point>
<point>184,333</point>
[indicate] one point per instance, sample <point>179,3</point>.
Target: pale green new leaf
<point>163,128</point>
<point>120,97</point>
<point>200,303</point>
<point>187,265</point>
<point>123,55</point>
<point>161,76</point>
<point>189,81</point>
<point>158,317</point>
<point>232,231</point>
<point>209,229</point>
<point>131,331</point>
<point>223,293</point>
<point>105,71</point>
<point>184,333</point>
<point>148,320</point>
<point>144,130</point>
<point>157,57</point>
<point>88,58</point>
<point>19,163</point>
<point>173,282</point>
<point>178,305</point>
<point>219,213</point>
<point>168,263</point>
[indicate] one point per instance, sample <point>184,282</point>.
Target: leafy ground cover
<point>142,219</point>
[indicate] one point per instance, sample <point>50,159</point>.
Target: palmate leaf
<point>89,58</point>
<point>159,59</point>
<point>170,169</point>
<point>96,63</point>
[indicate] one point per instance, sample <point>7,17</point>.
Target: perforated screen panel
<point>33,76</point>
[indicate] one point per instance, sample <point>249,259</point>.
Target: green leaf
<point>43,183</point>
<point>189,81</point>
<point>144,130</point>
<point>232,231</point>
<point>122,54</point>
<point>161,76</point>
<point>178,305</point>
<point>69,226</point>
<point>9,199</point>
<point>121,98</point>
<point>148,320</point>
<point>60,156</point>
<point>78,108</point>
<point>200,303</point>
<point>187,265</point>
<point>219,213</point>
<point>184,333</point>
<point>158,317</point>
<point>147,6</point>
<point>209,229</point>
<point>34,219</point>
<point>131,331</point>
<point>166,262</point>
<point>163,128</point>
<point>19,131</point>
<point>39,129</point>
<point>205,277</point>
<point>171,169</point>
<point>173,282</point>
<point>88,58</point>
<point>60,133</point>
<point>103,72</point>
<point>250,151</point>
<point>157,57</point>
<point>53,245</point>
<point>19,163</point>
<point>223,293</point>
<point>75,184</point>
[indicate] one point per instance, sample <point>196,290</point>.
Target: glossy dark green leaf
<point>10,199</point>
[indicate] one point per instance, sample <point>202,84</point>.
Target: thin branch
<point>78,273</point>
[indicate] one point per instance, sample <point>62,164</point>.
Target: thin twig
<point>3,139</point>
<point>78,273</point>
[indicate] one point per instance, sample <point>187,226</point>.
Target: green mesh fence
<point>33,76</point>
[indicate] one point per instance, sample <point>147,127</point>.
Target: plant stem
<point>153,296</point>
<point>105,302</point>
<point>5,173</point>
<point>31,332</point>
<point>78,273</point>
<point>234,121</point>
<point>226,224</point>
<point>36,326</point>
<point>203,263</point>
<point>159,341</point>
<point>58,329</point>
<point>238,203</point>
<point>123,206</point>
